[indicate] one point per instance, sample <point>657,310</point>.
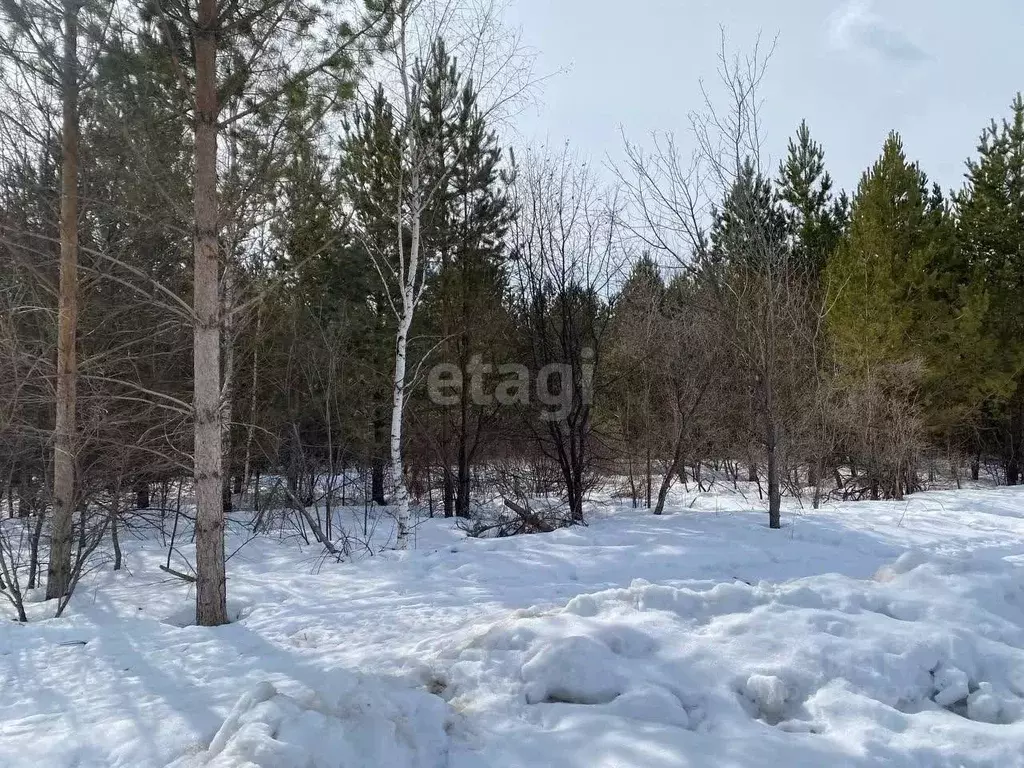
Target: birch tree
<point>495,61</point>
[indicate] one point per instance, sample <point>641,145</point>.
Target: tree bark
<point>227,387</point>
<point>141,494</point>
<point>1016,436</point>
<point>377,463</point>
<point>401,500</point>
<point>448,491</point>
<point>462,497</point>
<point>115,538</point>
<point>772,470</point>
<point>253,391</point>
<point>650,475</point>
<point>58,580</point>
<point>666,481</point>
<point>33,555</point>
<point>211,588</point>
<point>463,479</point>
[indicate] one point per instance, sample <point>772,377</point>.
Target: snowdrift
<point>367,727</point>
<point>921,666</point>
<point>861,635</point>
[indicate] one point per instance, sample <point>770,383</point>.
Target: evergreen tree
<point>990,212</point>
<point>463,225</point>
<point>815,217</point>
<point>878,276</point>
<point>750,228</point>
<point>879,283</point>
<point>472,282</point>
<point>369,175</point>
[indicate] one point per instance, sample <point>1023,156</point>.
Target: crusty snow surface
<point>860,635</point>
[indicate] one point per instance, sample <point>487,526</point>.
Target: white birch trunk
<point>409,300</point>
<point>401,500</point>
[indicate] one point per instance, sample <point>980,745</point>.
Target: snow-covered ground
<point>860,635</point>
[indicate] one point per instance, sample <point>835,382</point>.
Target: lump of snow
<point>368,728</point>
<point>651,704</point>
<point>582,605</point>
<point>905,563</point>
<point>983,706</point>
<point>951,686</point>
<point>574,670</point>
<point>769,693</point>
<point>628,642</point>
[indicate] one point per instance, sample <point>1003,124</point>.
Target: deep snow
<point>862,634</point>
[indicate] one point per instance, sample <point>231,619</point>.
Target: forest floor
<point>875,633</point>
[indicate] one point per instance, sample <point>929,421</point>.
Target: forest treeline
<point>237,237</point>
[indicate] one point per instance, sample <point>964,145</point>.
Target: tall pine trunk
<point>211,588</point>
<point>58,580</point>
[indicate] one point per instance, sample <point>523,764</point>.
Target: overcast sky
<point>935,70</point>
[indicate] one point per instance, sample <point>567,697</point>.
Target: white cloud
<point>857,27</point>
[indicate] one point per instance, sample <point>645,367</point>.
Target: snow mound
<point>951,685</point>
<point>921,665</point>
<point>989,705</point>
<point>368,728</point>
<point>652,704</point>
<point>576,670</point>
<point>769,694</point>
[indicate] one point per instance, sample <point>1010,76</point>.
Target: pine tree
<point>750,228</point>
<point>990,233</point>
<point>33,34</point>
<point>238,62</point>
<point>470,278</point>
<point>815,217</point>
<point>879,284</point>
<point>368,177</point>
<point>878,274</point>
